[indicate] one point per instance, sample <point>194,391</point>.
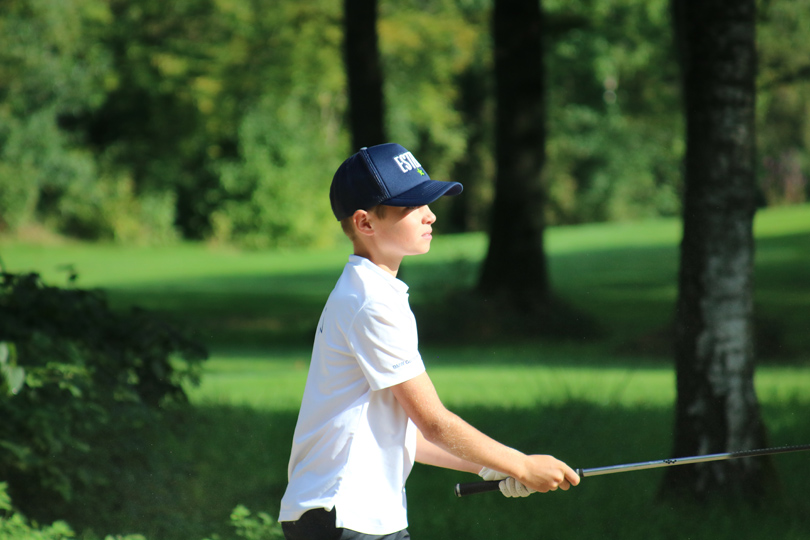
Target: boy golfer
<point>369,408</point>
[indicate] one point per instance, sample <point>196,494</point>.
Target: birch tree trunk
<point>717,408</point>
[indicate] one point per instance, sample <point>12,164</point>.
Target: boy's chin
<point>421,250</point>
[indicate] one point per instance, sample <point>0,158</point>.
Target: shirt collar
<point>398,285</point>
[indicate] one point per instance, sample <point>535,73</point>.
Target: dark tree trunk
<point>515,265</point>
<point>364,73</point>
<point>474,168</point>
<point>717,408</point>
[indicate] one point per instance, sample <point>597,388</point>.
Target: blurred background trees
<point>221,120</point>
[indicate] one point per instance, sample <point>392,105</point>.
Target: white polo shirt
<point>354,446</point>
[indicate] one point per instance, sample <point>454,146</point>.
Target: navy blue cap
<point>384,174</point>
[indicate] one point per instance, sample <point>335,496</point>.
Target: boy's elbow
<point>436,427</point>
<point>431,431</point>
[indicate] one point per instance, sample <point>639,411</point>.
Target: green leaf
<point>12,377</point>
<point>15,378</point>
<point>5,500</point>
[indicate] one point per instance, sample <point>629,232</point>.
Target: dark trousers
<point>319,524</point>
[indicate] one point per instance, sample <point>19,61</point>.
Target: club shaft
<point>596,471</point>
<point>492,485</point>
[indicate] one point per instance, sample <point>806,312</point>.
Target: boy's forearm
<point>458,438</point>
<point>451,434</point>
<point>537,472</point>
<point>428,453</point>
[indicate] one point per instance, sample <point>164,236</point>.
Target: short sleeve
<point>386,344</point>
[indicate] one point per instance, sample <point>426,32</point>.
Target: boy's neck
<point>391,266</point>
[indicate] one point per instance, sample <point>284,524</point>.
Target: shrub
<point>71,366</point>
<point>107,208</point>
<point>14,526</point>
<point>260,527</point>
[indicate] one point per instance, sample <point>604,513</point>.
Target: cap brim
<point>425,193</point>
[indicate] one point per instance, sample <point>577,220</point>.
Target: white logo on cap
<point>407,162</point>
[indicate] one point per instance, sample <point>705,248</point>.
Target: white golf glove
<point>488,474</point>
<point>509,486</point>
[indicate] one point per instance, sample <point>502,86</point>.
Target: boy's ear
<point>362,223</point>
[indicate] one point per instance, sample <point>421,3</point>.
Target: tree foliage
<point>146,120</point>
<point>49,68</point>
<point>783,112</point>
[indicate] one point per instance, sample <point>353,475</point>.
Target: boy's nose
<point>428,216</point>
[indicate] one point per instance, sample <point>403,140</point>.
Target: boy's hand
<point>546,473</point>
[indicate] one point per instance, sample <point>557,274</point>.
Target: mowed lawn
<point>592,403</point>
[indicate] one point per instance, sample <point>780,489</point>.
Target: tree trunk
<point>364,73</point>
<point>717,408</point>
<point>515,265</point>
<point>475,167</point>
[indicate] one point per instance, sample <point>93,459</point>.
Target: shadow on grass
<point>248,310</point>
<point>623,298</point>
<point>180,479</point>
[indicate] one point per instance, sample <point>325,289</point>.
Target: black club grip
<point>471,488</point>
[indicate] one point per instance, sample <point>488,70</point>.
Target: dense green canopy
<point>146,121</point>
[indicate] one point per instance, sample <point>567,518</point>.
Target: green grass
<point>624,275</point>
<point>594,403</point>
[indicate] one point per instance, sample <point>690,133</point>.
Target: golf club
<point>472,488</point>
